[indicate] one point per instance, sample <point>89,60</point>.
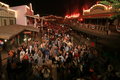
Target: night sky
<point>54,7</point>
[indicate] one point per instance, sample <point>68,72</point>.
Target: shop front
<point>14,35</point>
<point>29,36</point>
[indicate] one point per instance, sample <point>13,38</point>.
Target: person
<point>36,73</point>
<point>18,52</point>
<point>47,53</point>
<point>33,51</point>
<point>22,53</point>
<point>35,57</point>
<point>46,73</point>
<point>61,58</point>
<point>11,67</point>
<point>30,48</point>
<point>40,60</point>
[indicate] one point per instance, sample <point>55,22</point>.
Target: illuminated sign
<point>27,32</point>
<point>97,8</point>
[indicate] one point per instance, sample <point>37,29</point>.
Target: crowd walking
<point>71,61</point>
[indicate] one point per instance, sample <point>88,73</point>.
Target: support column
<point>0,64</point>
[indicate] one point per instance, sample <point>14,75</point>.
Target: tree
<point>115,4</point>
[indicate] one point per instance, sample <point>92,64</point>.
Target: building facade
<point>99,17</point>
<point>25,15</point>
<point>7,15</point>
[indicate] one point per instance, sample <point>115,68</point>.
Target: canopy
<point>7,32</point>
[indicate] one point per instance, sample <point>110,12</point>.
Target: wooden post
<point>0,63</point>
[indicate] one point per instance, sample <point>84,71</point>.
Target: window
<point>11,22</point>
<point>5,23</point>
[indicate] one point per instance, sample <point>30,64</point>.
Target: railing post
<point>0,64</point>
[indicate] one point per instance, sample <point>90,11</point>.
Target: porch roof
<point>7,32</point>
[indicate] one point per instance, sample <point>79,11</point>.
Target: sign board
<point>27,32</point>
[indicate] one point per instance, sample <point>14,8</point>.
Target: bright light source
<point>74,15</point>
<point>81,19</point>
<point>29,39</point>
<point>1,42</point>
<point>5,40</point>
<point>25,39</point>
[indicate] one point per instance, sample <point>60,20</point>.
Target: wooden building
<point>97,23</point>
<point>7,15</point>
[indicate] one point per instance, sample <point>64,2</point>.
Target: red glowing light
<point>81,19</point>
<point>92,44</point>
<point>86,6</point>
<point>83,9</point>
<point>74,15</point>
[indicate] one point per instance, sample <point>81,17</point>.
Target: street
<point>60,40</point>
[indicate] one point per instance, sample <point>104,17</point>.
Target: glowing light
<point>74,15</point>
<point>99,5</point>
<point>1,42</point>
<point>105,7</point>
<point>83,9</point>
<point>86,6</point>
<point>110,7</point>
<point>92,44</point>
<point>5,40</point>
<point>81,19</point>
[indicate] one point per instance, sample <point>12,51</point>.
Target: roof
<point>102,15</point>
<point>7,32</point>
<point>99,11</point>
<point>31,28</point>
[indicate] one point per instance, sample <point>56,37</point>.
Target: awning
<point>10,31</point>
<point>30,28</point>
<point>7,32</point>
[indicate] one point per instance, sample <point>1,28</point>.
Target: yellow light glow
<point>74,15</point>
<point>106,8</point>
<point>99,5</point>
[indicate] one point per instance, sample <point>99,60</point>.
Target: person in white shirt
<point>61,58</point>
<point>35,57</point>
<point>40,61</point>
<point>30,48</point>
<point>22,53</point>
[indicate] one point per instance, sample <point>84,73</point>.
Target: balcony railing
<point>97,30</point>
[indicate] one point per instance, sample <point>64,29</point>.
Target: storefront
<point>15,35</point>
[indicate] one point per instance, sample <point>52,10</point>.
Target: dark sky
<point>55,7</point>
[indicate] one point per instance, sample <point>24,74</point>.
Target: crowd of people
<point>34,61</point>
